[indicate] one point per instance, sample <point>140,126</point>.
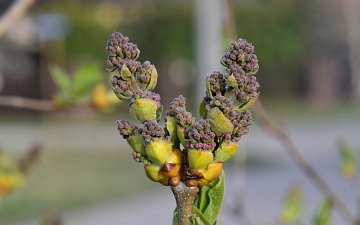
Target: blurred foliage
<point>84,86</point>
<point>292,206</point>
<point>275,28</point>
<point>165,30</point>
<point>323,214</point>
<point>162,28</point>
<point>348,160</point>
<point>13,172</point>
<point>65,180</point>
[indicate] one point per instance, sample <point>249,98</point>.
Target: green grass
<point>67,180</point>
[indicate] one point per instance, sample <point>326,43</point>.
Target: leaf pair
<point>75,88</point>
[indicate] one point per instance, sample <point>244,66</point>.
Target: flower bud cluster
<point>175,103</point>
<point>200,136</point>
<point>121,86</point>
<point>185,150</point>
<point>133,76</point>
<point>177,109</point>
<point>246,89</point>
<point>143,74</point>
<point>120,48</point>
<point>224,104</point>
<point>241,53</point>
<point>125,128</point>
<point>217,83</point>
<point>242,124</point>
<point>152,131</point>
<point>142,95</point>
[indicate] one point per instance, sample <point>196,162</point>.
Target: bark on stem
<point>185,197</point>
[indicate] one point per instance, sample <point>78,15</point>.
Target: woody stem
<point>185,197</point>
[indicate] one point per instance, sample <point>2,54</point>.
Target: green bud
<point>153,79</point>
<point>172,166</point>
<point>119,95</point>
<point>218,121</point>
<point>225,151</point>
<point>202,110</point>
<point>211,172</point>
<point>180,130</point>
<point>231,81</point>
<point>143,110</point>
<point>158,151</point>
<point>199,159</point>
<point>171,126</point>
<point>246,105</point>
<point>128,76</point>
<point>152,172</point>
<point>136,142</point>
<point>208,89</point>
<point>125,73</point>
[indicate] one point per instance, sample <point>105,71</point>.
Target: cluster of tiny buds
<point>200,136</point>
<point>224,104</point>
<point>121,86</point>
<point>139,94</point>
<point>247,89</point>
<point>217,82</point>
<point>140,158</point>
<point>125,128</point>
<point>143,74</point>
<point>241,53</point>
<point>183,117</point>
<point>120,48</point>
<point>177,102</point>
<point>132,65</point>
<point>152,130</point>
<point>241,124</point>
<point>236,71</point>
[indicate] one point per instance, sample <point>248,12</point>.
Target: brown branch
<point>284,138</point>
<point>26,103</point>
<point>302,163</point>
<point>13,14</point>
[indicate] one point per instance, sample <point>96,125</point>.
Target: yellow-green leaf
<point>292,206</point>
<point>323,214</point>
<point>85,79</point>
<point>348,160</point>
<point>60,77</point>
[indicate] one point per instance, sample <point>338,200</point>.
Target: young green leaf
<point>197,218</point>
<point>323,214</point>
<point>60,77</point>
<point>210,198</point>
<point>348,160</point>
<point>86,78</point>
<point>292,206</point>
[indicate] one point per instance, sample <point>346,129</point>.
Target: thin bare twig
<point>284,138</point>
<point>26,103</point>
<point>13,14</point>
<point>302,163</point>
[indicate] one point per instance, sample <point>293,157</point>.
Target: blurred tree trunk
<point>328,76</point>
<point>208,42</point>
<point>352,18</point>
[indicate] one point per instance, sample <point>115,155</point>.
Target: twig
<point>301,162</point>
<point>185,197</point>
<point>13,14</point>
<point>26,103</point>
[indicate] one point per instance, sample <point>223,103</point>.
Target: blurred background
<point>309,56</point>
